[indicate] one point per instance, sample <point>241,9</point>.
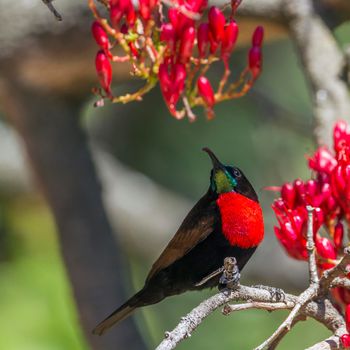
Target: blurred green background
<point>266,133</point>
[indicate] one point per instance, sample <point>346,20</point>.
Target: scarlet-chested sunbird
<point>226,222</point>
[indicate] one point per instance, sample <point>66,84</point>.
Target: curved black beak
<point>216,163</point>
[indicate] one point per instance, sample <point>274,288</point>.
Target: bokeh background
<point>152,170</point>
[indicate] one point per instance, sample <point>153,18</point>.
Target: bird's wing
<point>197,225</point>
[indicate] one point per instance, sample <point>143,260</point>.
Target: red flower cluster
<point>345,338</point>
<point>175,49</point>
<point>329,193</point>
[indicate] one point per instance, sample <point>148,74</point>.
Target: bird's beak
<point>217,165</point>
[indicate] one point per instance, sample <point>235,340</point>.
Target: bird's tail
<point>118,315</point>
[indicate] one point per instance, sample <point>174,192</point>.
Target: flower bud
<point>234,5</point>
<point>178,81</point>
<point>144,9</point>
<point>100,35</point>
<point>115,15</point>
<point>203,39</point>
<point>345,340</point>
<point>255,61</point>
<point>323,161</point>
<point>325,248</point>
<point>331,204</point>
<point>229,39</point>
<point>318,219</point>
<point>104,71</point>
<point>300,190</point>
<point>288,231</point>
<point>339,178</point>
<point>196,5</point>
<point>347,317</point>
<point>279,205</point>
<point>186,46</point>
<point>172,83</point>
<point>180,77</point>
<point>258,36</point>
<point>216,23</point>
<point>183,22</point>
<point>298,223</point>
<point>173,17</point>
<point>326,190</point>
<point>288,194</point>
<point>165,81</point>
<point>120,8</point>
<point>167,34</point>
<point>311,187</point>
<point>130,15</point>
<point>341,135</point>
<point>213,43</point>
<point>338,235</point>
<point>206,91</point>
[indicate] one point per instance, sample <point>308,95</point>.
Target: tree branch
<point>322,62</point>
<point>321,310</point>
<point>330,343</point>
<point>301,306</point>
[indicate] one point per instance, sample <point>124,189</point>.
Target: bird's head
<point>224,178</point>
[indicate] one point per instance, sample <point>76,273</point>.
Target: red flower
<point>186,46</point>
<point>338,235</point>
<point>229,39</point>
<point>100,35</point>
<point>329,193</point>
<point>255,61</point>
<point>258,36</point>
<point>206,91</point>
<point>104,71</point>
<point>216,23</point>
<point>345,340</point>
<point>322,161</point>
<point>158,43</point>
<point>172,82</point>
<point>203,39</point>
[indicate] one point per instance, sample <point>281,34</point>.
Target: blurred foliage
<point>37,310</point>
<point>267,140</point>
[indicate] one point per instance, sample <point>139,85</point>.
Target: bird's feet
<point>230,276</point>
<point>277,294</point>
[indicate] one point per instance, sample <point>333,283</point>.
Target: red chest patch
<point>242,220</point>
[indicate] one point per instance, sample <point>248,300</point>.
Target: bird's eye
<point>237,173</point>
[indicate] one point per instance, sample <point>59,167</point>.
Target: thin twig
<point>256,305</point>
<point>191,116</point>
<point>340,282</point>
<point>313,276</point>
<point>329,275</point>
<point>303,298</point>
<point>52,8</point>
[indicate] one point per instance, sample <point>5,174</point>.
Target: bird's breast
<point>242,220</point>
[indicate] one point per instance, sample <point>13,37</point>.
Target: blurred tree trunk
<point>63,166</point>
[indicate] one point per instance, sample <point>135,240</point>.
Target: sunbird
<point>226,222</point>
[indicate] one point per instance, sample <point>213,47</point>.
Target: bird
<point>226,222</point>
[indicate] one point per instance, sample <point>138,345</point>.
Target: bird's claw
<point>276,294</point>
<point>230,276</point>
<point>233,280</point>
